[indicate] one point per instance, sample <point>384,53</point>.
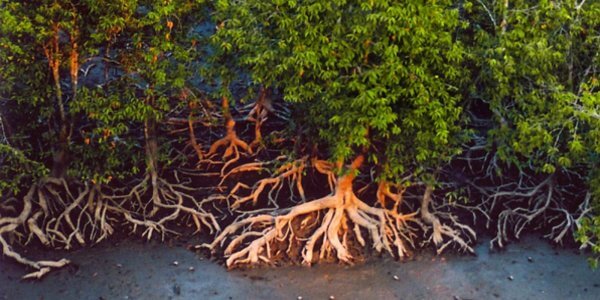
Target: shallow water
<point>137,270</point>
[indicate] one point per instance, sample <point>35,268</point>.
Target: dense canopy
<point>298,130</point>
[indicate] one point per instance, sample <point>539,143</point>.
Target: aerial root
<point>456,233</point>
<point>10,224</point>
<point>192,136</point>
<point>524,201</point>
<point>541,203</point>
<point>258,115</point>
<point>251,239</point>
<point>326,168</point>
<point>42,266</point>
<point>519,218</point>
<point>88,215</point>
<point>232,143</point>
<point>585,208</point>
<point>290,172</point>
<point>166,197</point>
<point>384,192</point>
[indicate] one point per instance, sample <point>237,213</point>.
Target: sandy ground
<point>137,270</point>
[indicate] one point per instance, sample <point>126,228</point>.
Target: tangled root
<point>8,225</point>
<point>230,141</point>
<point>258,115</point>
<point>444,235</point>
<point>290,172</point>
<point>58,217</point>
<point>518,199</point>
<point>388,229</point>
<point>544,205</point>
<point>167,198</point>
<point>232,145</point>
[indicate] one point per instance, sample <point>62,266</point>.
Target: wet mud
<point>529,269</point>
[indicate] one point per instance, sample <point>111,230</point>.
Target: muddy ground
<point>530,269</point>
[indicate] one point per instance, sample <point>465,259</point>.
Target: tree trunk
<point>151,150</point>
<point>60,160</point>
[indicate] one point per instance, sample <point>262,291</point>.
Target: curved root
<point>10,224</point>
<point>258,115</point>
<point>89,215</point>
<point>388,230</point>
<point>519,218</point>
<point>290,172</point>
<point>230,141</point>
<point>439,230</point>
<point>165,197</point>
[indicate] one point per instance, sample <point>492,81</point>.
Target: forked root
<point>515,220</point>
<point>232,143</point>
<point>444,235</point>
<point>42,266</point>
<point>259,114</point>
<point>60,218</point>
<point>388,229</point>
<point>168,198</point>
<point>9,225</point>
<point>290,172</point>
<point>530,203</point>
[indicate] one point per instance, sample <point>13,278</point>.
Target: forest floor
<point>529,269</point>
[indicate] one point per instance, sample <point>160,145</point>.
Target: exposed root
<point>545,205</point>
<point>290,172</point>
<point>192,136</point>
<point>198,113</point>
<point>522,203</point>
<point>59,218</point>
<point>326,168</point>
<point>584,211</point>
<point>165,197</point>
<point>388,230</point>
<point>258,115</point>
<point>518,199</point>
<point>9,225</point>
<point>231,142</point>
<point>384,192</point>
<point>454,234</point>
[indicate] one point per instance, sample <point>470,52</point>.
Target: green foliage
<point>153,56</point>
<point>17,170</point>
<point>36,34</point>
<point>376,75</point>
<point>387,79</point>
<point>588,234</point>
<point>24,76</point>
<point>537,72</point>
<point>145,47</point>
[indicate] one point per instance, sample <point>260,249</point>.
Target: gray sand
<point>136,270</point>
